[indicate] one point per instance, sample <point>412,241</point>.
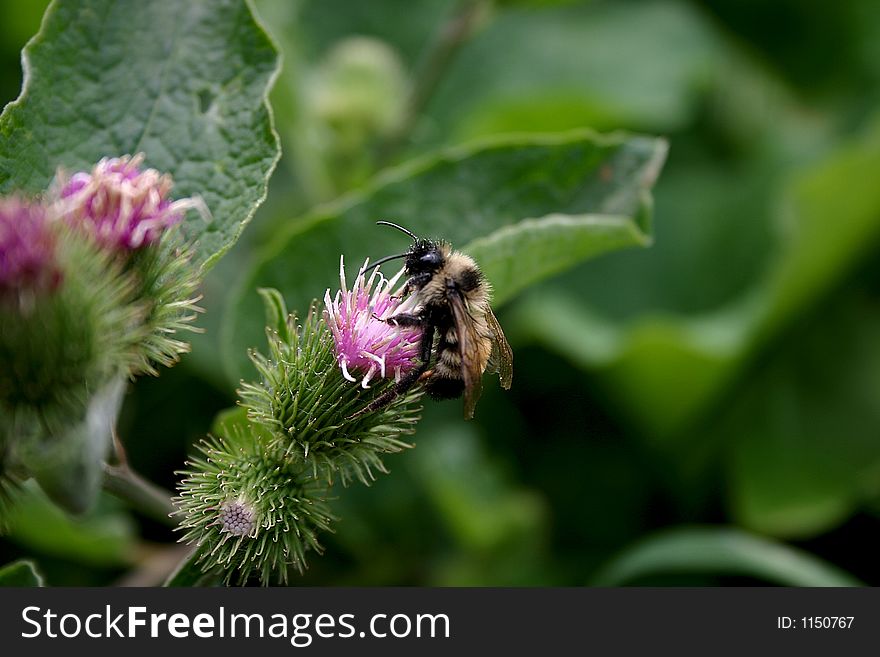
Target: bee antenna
<point>379,262</point>
<point>400,228</point>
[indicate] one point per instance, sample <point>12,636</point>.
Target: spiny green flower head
<point>311,402</point>
<point>255,502</point>
<point>91,284</point>
<point>127,209</point>
<point>65,321</point>
<point>65,331</point>
<point>167,285</point>
<point>94,286</point>
<point>251,507</point>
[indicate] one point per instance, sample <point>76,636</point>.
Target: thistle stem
<point>140,494</point>
<point>451,37</point>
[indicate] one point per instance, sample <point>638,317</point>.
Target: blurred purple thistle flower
<point>27,248</point>
<point>363,343</point>
<point>124,207</point>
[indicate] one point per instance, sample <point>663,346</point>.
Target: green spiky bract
<point>277,464</point>
<point>307,403</point>
<point>58,347</point>
<point>287,502</point>
<point>110,314</point>
<point>167,282</point>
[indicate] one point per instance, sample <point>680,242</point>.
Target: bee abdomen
<point>440,386</point>
<point>446,381</point>
<point>449,359</point>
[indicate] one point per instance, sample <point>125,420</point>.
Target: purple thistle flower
<point>27,248</point>
<point>365,344</point>
<point>126,208</point>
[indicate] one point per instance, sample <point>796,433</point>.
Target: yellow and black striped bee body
<point>461,337</point>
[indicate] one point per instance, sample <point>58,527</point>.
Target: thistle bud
<point>251,509</point>
<point>358,90</point>
<point>69,324</point>
<point>352,100</point>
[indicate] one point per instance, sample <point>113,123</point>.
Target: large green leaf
<point>483,510</point>
<point>801,436</point>
<point>600,64</point>
<point>184,83</point>
<point>660,370</point>
<point>666,367</point>
<point>803,444</point>
<point>516,256</point>
<point>20,573</point>
<point>476,196</point>
<point>104,538</point>
<point>829,219</point>
<point>720,551</point>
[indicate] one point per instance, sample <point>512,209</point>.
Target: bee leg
<point>401,319</point>
<point>407,381</point>
<point>405,319</point>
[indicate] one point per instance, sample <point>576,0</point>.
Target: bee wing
<point>501,359</point>
<point>469,350</point>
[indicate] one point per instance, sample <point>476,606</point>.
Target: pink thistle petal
<point>27,248</point>
<point>364,344</point>
<point>124,207</point>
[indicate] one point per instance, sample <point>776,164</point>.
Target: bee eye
<point>430,258</point>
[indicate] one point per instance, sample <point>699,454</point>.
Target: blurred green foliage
<point>728,377</point>
<point>20,573</point>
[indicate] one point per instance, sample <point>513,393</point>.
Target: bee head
<point>423,257</point>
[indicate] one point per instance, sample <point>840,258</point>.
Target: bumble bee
<point>460,329</point>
